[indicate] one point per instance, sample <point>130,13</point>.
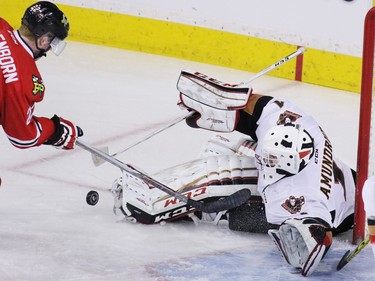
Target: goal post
<point>366,145</point>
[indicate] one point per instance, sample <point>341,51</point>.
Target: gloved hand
<point>303,242</point>
<point>65,135</point>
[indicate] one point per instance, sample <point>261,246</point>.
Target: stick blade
<point>343,261</point>
<point>98,160</point>
<point>234,200</point>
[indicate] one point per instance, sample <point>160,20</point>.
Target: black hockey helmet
<point>43,17</point>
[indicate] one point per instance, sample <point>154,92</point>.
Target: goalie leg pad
<point>220,145</point>
<point>302,242</point>
<point>208,179</point>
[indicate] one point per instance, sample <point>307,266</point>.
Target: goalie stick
<point>299,51</point>
<point>349,255</point>
<point>236,199</point>
<point>98,160</point>
<point>226,87</point>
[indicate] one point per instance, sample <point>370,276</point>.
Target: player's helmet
<point>285,151</point>
<point>43,17</point>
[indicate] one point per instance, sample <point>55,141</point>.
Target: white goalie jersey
<point>324,189</point>
<point>308,181</point>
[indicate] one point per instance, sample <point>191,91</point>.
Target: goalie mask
<point>285,151</point>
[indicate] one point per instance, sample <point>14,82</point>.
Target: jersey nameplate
<point>8,68</point>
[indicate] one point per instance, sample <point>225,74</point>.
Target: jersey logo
<point>294,205</point>
<point>38,86</point>
<point>64,21</point>
<point>288,117</point>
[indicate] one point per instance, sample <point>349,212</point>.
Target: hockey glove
<point>302,242</point>
<point>65,135</point>
<point>216,104</point>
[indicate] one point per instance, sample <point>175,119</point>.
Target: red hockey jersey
<point>21,86</point>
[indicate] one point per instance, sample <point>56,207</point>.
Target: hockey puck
<point>92,198</point>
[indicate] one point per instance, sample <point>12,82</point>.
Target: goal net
<point>366,140</point>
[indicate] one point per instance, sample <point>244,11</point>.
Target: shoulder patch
<point>38,86</point>
<point>294,204</point>
<point>288,117</point>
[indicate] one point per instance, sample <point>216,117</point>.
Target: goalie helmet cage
<point>366,141</point>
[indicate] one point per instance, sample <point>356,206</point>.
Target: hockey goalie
<point>302,195</point>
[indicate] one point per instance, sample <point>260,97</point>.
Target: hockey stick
<point>349,255</point>
<point>98,160</point>
<point>236,199</point>
<point>299,51</point>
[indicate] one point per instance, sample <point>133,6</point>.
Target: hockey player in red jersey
<point>44,27</point>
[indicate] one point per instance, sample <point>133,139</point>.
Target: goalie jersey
<point>324,189</point>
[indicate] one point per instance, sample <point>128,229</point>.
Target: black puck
<point>92,198</point>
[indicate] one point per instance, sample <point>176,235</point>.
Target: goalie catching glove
<point>65,135</point>
<point>216,104</point>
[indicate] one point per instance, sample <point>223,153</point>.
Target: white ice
<point>48,232</point>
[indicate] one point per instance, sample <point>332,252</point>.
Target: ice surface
<point>48,232</point>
